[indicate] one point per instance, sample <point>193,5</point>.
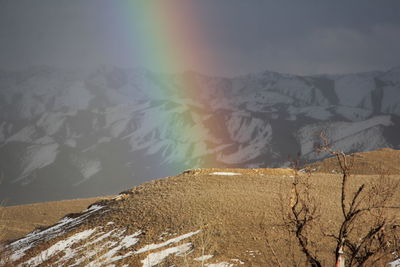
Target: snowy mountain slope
<point>80,135</point>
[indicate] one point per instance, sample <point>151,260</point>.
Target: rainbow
<point>167,36</point>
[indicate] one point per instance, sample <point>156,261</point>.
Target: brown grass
<point>385,159</point>
<point>240,216</point>
<point>237,214</point>
<point>17,221</point>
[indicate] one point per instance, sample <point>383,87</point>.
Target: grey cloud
<point>300,37</point>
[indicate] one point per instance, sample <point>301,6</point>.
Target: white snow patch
<point>316,112</point>
<point>238,261</point>
<point>45,140</point>
<point>87,167</point>
<point>38,156</point>
<point>346,136</point>
<point>242,127</point>
<point>355,90</point>
<point>76,97</point>
<point>104,139</point>
<point>24,135</point>
<point>203,258</point>
<point>220,264</point>
<point>225,173</point>
<point>90,168</point>
<point>157,257</point>
<point>62,245</point>
<point>166,243</point>
<point>250,150</point>
<point>20,246</point>
<point>296,88</point>
<point>353,114</point>
<point>51,122</point>
<point>395,263</point>
<point>101,236</point>
<point>126,242</point>
<point>71,142</point>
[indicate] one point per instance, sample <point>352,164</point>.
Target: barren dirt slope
<point>232,217</point>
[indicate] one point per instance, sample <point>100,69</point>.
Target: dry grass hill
<point>17,221</point>
<point>205,217</point>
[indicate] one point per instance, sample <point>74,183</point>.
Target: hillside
<point>384,160</point>
<point>221,217</point>
<point>17,221</point>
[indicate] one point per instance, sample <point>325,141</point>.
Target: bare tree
<point>366,235</point>
<point>366,231</point>
<point>302,215</point>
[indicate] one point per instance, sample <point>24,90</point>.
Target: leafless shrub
<point>367,231</point>
<point>302,215</point>
<point>367,234</point>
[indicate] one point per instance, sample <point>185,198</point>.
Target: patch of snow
<point>392,76</point>
<point>70,142</point>
<point>87,167</point>
<point>166,243</point>
<point>242,127</point>
<point>101,237</point>
<point>238,261</point>
<point>38,156</point>
<point>63,245</point>
<point>125,242</point>
<point>395,263</point>
<point>315,112</point>
<point>118,127</point>
<point>130,240</point>
<point>261,99</point>
<point>203,258</point>
<point>220,264</point>
<point>354,90</point>
<point>24,135</point>
<point>353,114</point>
<point>156,258</point>
<point>104,139</point>
<point>75,97</point>
<point>20,246</point>
<point>28,106</point>
<point>93,208</point>
<point>90,168</point>
<point>361,136</point>
<point>225,173</point>
<point>298,89</point>
<point>51,122</point>
<point>249,150</point>
<point>45,140</point>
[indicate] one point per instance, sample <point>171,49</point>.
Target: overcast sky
<point>298,36</point>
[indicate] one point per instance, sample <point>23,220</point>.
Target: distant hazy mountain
<point>67,134</point>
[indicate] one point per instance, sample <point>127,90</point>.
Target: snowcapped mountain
<point>67,134</point>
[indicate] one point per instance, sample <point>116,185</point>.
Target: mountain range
<point>67,134</point>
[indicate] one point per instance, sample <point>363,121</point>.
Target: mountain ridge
<point>58,128</point>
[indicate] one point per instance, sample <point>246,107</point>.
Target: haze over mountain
<point>66,134</point>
